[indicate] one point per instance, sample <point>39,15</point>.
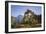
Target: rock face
<point>19,18</point>
<point>30,18</point>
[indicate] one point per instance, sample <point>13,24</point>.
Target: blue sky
<point>20,10</point>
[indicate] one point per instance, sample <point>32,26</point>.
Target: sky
<point>20,10</point>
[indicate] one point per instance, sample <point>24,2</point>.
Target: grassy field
<point>27,25</point>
